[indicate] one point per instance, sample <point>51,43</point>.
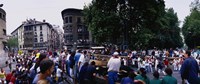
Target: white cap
<point>115,53</point>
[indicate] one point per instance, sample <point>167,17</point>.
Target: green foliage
<point>191,26</point>
<point>141,24</point>
<point>12,42</point>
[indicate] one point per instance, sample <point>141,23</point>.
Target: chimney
<point>44,20</point>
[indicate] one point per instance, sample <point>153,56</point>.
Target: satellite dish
<point>1,5</point>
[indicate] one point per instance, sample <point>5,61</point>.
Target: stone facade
<point>2,29</point>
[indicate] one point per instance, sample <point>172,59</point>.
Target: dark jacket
<point>189,70</point>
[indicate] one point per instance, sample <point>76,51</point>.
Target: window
<point>78,19</point>
<point>4,32</point>
<point>80,29</point>
<point>79,36</point>
<point>41,34</point>
<point>41,39</point>
<point>30,28</point>
<point>0,15</point>
<point>35,28</point>
<point>40,27</point>
<point>70,19</point>
<point>66,20</point>
<point>4,18</point>
<point>70,29</point>
<point>35,40</point>
<point>71,37</point>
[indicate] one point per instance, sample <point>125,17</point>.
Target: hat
<point>115,53</point>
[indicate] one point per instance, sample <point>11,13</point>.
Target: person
<point>71,64</point>
<point>76,67</point>
<point>35,67</point>
<point>9,76</point>
<point>13,79</point>
<point>59,73</point>
<point>142,76</point>
<point>82,73</point>
<point>113,65</point>
<point>46,68</point>
<point>2,75</point>
<point>169,79</point>
<point>82,59</point>
<point>91,70</point>
<point>156,79</point>
<point>43,82</point>
<point>189,69</point>
<point>129,79</point>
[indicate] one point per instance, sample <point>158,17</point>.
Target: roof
<point>16,29</point>
<point>31,22</point>
<point>1,10</point>
<point>71,10</point>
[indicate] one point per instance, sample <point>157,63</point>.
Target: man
<point>46,68</point>
<point>91,73</point>
<point>189,69</point>
<point>82,59</point>
<point>169,79</point>
<point>113,68</point>
<point>76,68</point>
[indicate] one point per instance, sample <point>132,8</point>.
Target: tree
<point>168,34</point>
<point>191,26</point>
<point>102,19</point>
<point>12,43</point>
<point>133,22</point>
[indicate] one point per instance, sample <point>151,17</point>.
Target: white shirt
<point>114,64</point>
<point>68,56</point>
<point>58,72</point>
<point>82,60</point>
<point>63,54</point>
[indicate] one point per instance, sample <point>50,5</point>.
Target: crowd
<point>79,67</point>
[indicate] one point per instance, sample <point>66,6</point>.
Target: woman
<point>2,75</point>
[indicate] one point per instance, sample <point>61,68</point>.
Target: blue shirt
<point>127,80</point>
<point>76,57</point>
<point>189,70</point>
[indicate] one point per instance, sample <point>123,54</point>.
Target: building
<point>34,34</point>
<point>3,36</point>
<point>76,34</point>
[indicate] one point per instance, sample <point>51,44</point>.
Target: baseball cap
<point>115,53</point>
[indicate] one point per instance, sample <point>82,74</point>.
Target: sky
<point>50,10</point>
